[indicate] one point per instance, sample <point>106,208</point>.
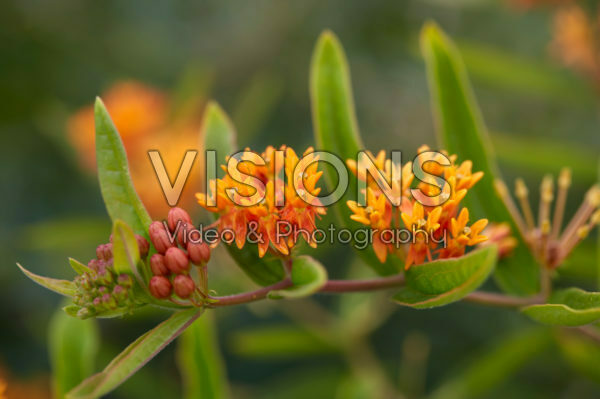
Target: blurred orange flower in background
<point>12,388</point>
<point>143,117</point>
<point>525,4</point>
<point>575,41</point>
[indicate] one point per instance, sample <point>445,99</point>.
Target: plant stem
<point>346,286</point>
<point>590,332</point>
<point>363,285</point>
<point>250,296</point>
<point>493,299</point>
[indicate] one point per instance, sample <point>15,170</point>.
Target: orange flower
<point>141,114</point>
<point>427,225</point>
<point>378,215</point>
<point>265,219</point>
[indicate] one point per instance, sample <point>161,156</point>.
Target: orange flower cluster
<point>143,119</point>
<point>247,219</point>
<point>427,224</point>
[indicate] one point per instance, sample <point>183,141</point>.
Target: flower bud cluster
<point>101,289</point>
<point>171,265</point>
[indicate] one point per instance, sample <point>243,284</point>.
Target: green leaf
<point>73,311</point>
<point>264,271</point>
<point>120,197</point>
<point>126,259</point>
<point>281,341</point>
<point>126,254</point>
<point>335,126</point>
<point>514,150</point>
<point>334,118</point>
<point>308,276</point>
<point>523,76</point>
<point>570,307</point>
<point>200,362</point>
<point>461,131</point>
<point>445,281</point>
<point>598,239</point>
<point>582,354</point>
<point>73,345</point>
<point>79,267</point>
<point>135,356</point>
<point>496,365</point>
<point>219,134</point>
<point>63,287</point>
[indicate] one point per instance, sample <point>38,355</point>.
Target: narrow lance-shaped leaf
<point>200,362</point>
<point>598,239</point>
<point>335,125</point>
<point>219,134</point>
<point>120,197</point>
<point>126,254</point>
<point>281,341</point>
<point>581,352</point>
<point>135,356</point>
<point>492,368</point>
<point>442,282</point>
<point>570,307</point>
<point>63,287</point>
<point>73,345</point>
<point>461,130</point>
<point>126,259</point>
<point>308,276</point>
<point>79,267</point>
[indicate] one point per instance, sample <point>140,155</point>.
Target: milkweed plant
<point>438,226</point>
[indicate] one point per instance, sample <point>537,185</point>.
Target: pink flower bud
<point>177,260</point>
<point>125,280</point>
<point>160,287</point>
<point>159,237</point>
<point>179,220</point>
<point>184,286</point>
<point>175,215</point>
<point>199,253</point>
<point>100,251</point>
<point>143,245</point>
<point>108,252</point>
<point>158,265</point>
<point>104,252</point>
<point>93,264</point>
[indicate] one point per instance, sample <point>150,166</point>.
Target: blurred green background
<point>253,58</point>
